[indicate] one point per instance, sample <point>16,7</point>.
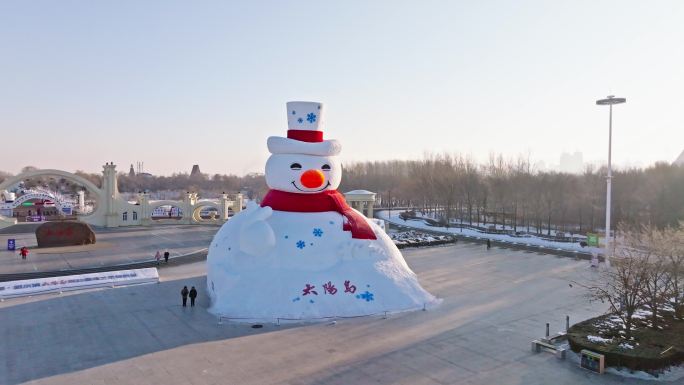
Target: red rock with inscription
<point>68,233</point>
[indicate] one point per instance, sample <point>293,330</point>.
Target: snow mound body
<point>313,270</point>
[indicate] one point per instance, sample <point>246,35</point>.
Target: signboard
<point>66,210</point>
<point>11,244</point>
<point>594,260</point>
<point>592,361</point>
<point>592,239</point>
<point>75,282</point>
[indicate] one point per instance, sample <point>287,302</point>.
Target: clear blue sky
<point>177,83</point>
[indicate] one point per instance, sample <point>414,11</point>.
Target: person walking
<point>157,257</point>
<point>24,252</point>
<point>489,244</point>
<point>166,256</point>
<point>193,295</point>
<point>184,294</point>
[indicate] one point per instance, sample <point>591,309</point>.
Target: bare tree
<point>621,286</point>
<point>649,245</point>
<point>673,250</point>
<point>4,175</point>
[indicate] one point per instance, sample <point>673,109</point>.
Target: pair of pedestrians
<point>158,257</point>
<point>192,293</point>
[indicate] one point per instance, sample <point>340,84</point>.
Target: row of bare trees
<point>647,274</point>
<point>252,184</point>
<point>510,192</point>
<point>501,192</point>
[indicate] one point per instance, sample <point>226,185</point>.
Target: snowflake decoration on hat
<point>300,120</point>
<point>311,117</point>
<point>301,244</point>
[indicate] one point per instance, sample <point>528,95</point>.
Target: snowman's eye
<point>296,166</point>
<point>325,167</point>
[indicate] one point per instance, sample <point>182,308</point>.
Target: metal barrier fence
<point>277,320</point>
<point>181,259</point>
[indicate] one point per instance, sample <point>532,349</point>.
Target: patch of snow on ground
<point>642,314</point>
<point>599,340</point>
<point>420,224</point>
<point>625,345</point>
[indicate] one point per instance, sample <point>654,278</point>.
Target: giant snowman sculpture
<point>304,254</point>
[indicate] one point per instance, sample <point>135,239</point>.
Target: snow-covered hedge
<point>416,239</point>
<point>646,350</point>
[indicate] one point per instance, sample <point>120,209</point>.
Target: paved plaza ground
<point>495,303</point>
<point>113,247</point>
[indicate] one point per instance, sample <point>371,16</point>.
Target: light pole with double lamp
<point>609,101</point>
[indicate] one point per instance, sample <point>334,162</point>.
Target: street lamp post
<point>609,102</point>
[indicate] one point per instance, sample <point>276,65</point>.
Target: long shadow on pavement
<point>78,331</point>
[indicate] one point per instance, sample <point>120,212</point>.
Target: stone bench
<point>558,351</point>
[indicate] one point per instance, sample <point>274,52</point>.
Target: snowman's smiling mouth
<point>297,187</point>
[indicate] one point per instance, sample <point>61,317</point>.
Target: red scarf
<point>329,200</point>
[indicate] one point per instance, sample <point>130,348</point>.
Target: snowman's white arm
<point>256,235</point>
<point>260,214</point>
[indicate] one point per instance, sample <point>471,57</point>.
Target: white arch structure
<point>114,211</point>
<point>196,213</point>
<point>39,195</point>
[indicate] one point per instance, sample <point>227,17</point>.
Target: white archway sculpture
<point>113,210</point>
<point>59,204</point>
<point>196,213</point>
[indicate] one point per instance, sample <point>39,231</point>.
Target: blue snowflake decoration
<point>300,120</point>
<point>301,244</point>
<point>368,296</point>
<point>294,112</point>
<point>311,117</point>
<point>317,232</point>
<point>287,236</point>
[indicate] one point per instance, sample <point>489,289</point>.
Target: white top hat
<point>305,132</point>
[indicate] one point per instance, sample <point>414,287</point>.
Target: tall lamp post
<point>609,101</point>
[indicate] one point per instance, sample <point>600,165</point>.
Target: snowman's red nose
<point>312,178</point>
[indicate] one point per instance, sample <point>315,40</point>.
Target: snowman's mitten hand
<point>251,206</point>
<point>256,235</point>
<point>261,214</point>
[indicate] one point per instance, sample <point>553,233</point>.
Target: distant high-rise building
<point>195,170</point>
<point>131,172</point>
<point>572,163</point>
<point>680,160</point>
